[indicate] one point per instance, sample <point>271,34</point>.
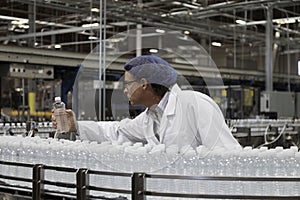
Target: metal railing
<point>138,190</point>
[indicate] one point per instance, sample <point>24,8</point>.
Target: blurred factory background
<point>44,44</point>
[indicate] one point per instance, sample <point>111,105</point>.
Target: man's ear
<point>144,83</point>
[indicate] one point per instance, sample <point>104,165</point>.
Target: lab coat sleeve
<point>118,131</point>
<point>133,130</point>
<point>98,131</point>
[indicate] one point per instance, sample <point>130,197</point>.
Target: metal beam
<point>42,56</point>
<point>45,33</point>
<point>54,58</point>
<point>269,50</point>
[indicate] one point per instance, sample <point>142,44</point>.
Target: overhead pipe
<point>46,33</point>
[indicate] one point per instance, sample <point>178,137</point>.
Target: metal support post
<point>138,183</point>
<point>269,50</point>
<point>82,183</point>
<point>37,182</point>
<point>1,96</point>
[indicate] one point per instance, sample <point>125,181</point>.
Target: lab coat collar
<point>171,106</point>
<point>169,111</point>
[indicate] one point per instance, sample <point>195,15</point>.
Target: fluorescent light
<point>115,40</point>
<point>122,23</point>
<point>176,3</point>
<point>18,89</point>
<point>153,50</point>
<point>239,21</point>
<point>160,31</point>
<point>12,18</point>
<point>216,44</point>
<point>93,38</point>
<point>23,26</point>
<point>285,20</point>
<point>190,6</point>
<point>95,10</point>
<point>18,22</point>
<point>182,12</point>
<point>298,67</point>
<point>163,15</point>
<point>57,46</point>
<point>91,25</point>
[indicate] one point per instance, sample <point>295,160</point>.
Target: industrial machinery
<point>235,101</point>
<point>266,132</point>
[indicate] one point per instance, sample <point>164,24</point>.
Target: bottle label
<point>61,120</point>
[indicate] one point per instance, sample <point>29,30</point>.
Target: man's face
<point>132,88</point>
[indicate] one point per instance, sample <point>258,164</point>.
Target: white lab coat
<point>190,118</point>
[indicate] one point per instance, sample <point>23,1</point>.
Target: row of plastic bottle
<point>171,160</point>
<point>261,122</point>
<point>21,127</point>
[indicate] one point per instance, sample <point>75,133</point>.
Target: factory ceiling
<point>74,25</point>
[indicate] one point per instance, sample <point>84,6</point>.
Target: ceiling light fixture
<point>115,40</point>
<point>93,38</point>
<point>190,6</point>
<point>216,44</point>
<point>160,31</point>
<point>285,20</point>
<point>153,50</point>
<point>18,22</point>
<point>278,21</point>
<point>239,21</point>
<point>90,25</point>
<point>176,3</point>
<point>182,12</point>
<point>95,10</point>
<point>11,18</point>
<point>298,67</point>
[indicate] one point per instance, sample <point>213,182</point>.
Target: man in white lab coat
<point>172,116</point>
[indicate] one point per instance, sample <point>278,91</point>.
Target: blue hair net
<point>154,69</point>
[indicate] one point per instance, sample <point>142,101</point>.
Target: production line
<point>41,129</point>
<point>266,132</point>
<point>180,172</point>
<point>111,170</point>
<point>108,170</point>
<point>283,131</point>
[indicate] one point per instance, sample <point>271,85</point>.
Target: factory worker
<point>172,116</point>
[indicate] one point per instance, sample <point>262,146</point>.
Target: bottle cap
<point>57,99</point>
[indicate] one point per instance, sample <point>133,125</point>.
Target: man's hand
<point>72,122</point>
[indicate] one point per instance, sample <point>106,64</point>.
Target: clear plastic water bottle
<point>60,115</point>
